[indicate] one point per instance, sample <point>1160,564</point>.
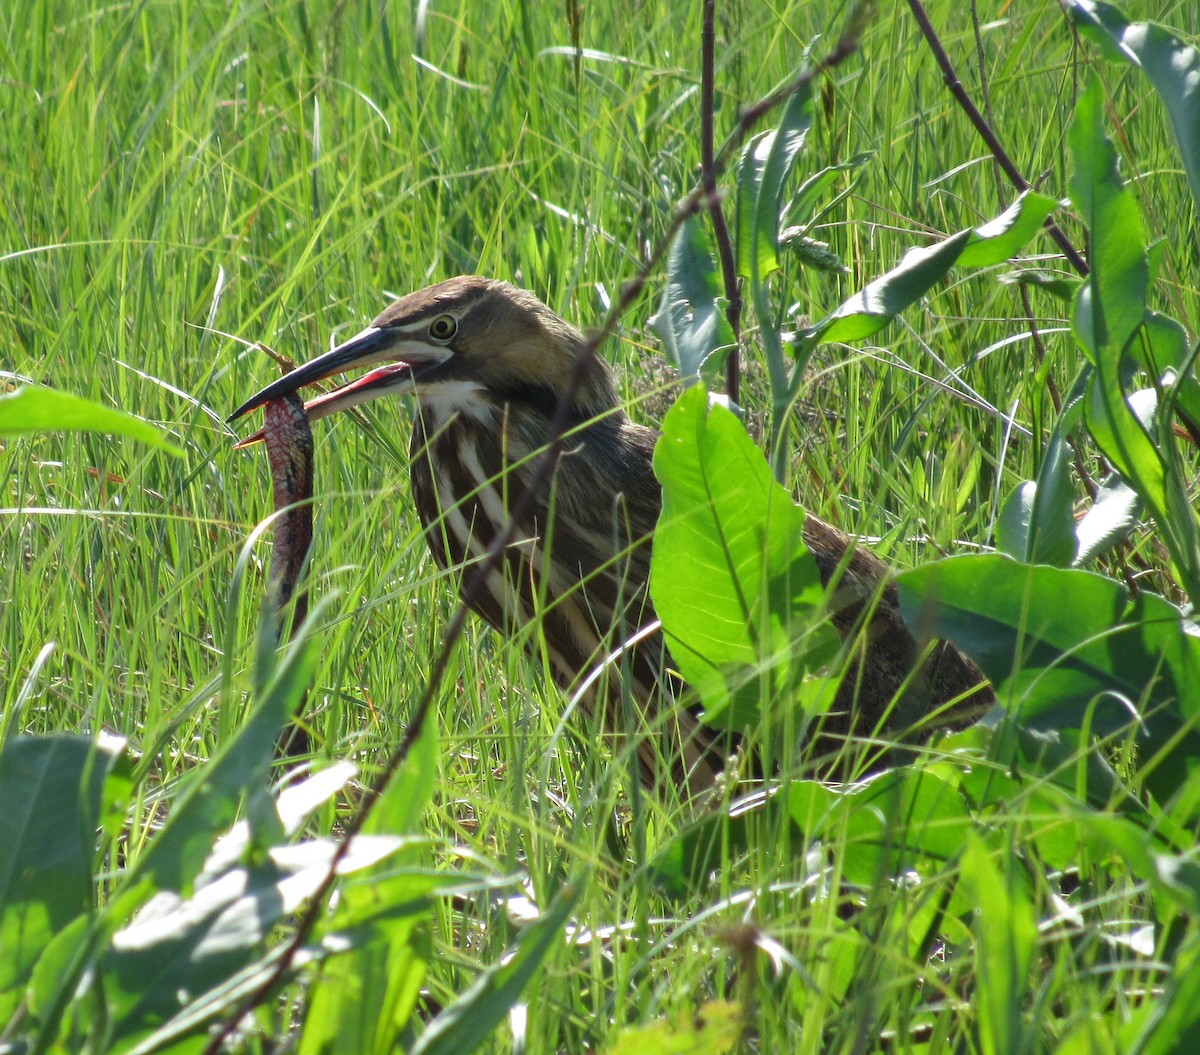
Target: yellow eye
<point>443,327</point>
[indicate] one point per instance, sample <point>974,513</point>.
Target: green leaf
<point>1109,311</point>
<point>34,409</point>
<point>170,971</point>
<point>466,1023</point>
<point>54,986</point>
<point>181,962</point>
<point>1165,349</point>
<point>876,304</point>
<point>363,999</point>
<point>52,788</point>
<point>1037,523</point>
<point>897,821</point>
<point>1083,631</point>
<point>691,321</point>
<point>804,204</point>
<point>765,166</point>
<point>733,583</point>
<point>1171,64</point>
<point>1068,648</point>
<point>402,805</point>
<point>700,847</point>
<point>1174,1023</point>
<point>1013,527</point>
<point>1111,519</point>
<point>1064,287</point>
<point>1112,303</point>
<point>1005,236</point>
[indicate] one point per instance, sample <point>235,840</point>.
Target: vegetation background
<point>182,180</point>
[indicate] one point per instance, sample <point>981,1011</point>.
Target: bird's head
<point>467,344</point>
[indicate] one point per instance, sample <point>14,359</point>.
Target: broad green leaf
<point>1105,1033</point>
<point>178,954</point>
<point>1109,311</point>
<point>1164,348</point>
<point>183,961</point>
<point>1111,519</point>
<point>52,789</point>
<point>762,174</point>
<point>466,1023</point>
<point>363,999</point>
<point>33,409</point>
<point>900,820</point>
<point>1037,523</point>
<point>733,582</point>
<point>751,166</point>
<point>1171,64</point>
<point>1073,802</point>
<point>1013,527</point>
<point>1005,236</point>
<point>402,804</point>
<point>691,321</point>
<point>699,848</point>
<point>764,169</point>
<point>1083,632</point>
<point>1112,302</point>
<point>1068,648</point>
<point>897,821</point>
<point>1118,423</point>
<point>876,304</point>
<point>54,987</point>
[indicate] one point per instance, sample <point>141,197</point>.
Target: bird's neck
<point>455,405</point>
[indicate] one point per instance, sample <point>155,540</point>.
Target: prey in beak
<point>375,344</point>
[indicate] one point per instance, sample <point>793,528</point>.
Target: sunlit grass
<point>183,180</point>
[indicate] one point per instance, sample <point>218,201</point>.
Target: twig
<point>1002,161</point>
<point>708,180</point>
<point>986,132</point>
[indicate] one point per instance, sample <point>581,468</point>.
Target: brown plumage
<point>487,362</point>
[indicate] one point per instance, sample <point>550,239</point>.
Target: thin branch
<point>708,180</point>
<point>986,132</point>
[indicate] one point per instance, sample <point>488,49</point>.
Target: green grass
<point>185,179</point>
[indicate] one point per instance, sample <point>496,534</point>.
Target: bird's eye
<point>443,327</point>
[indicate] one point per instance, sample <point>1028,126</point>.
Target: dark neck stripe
<point>541,398</point>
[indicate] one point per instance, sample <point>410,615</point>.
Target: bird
<point>487,363</point>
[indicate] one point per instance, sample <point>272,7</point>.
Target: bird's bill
<point>361,390</point>
<point>363,349</point>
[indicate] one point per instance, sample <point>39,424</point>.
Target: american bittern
<point>487,363</point>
